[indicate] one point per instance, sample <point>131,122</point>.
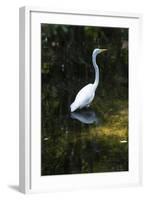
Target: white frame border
<point>25,142</point>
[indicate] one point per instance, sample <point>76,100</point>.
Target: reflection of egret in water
<point>86,117</point>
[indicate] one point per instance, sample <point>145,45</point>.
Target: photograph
<point>84,99</point>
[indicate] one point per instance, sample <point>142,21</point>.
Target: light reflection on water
<point>85,117</point>
<point>73,143</point>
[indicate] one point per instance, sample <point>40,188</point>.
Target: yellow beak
<point>102,50</point>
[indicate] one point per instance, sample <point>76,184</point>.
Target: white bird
<point>86,95</point>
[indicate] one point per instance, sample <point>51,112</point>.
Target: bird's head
<point>98,51</point>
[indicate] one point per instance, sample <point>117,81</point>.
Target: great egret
<point>86,95</point>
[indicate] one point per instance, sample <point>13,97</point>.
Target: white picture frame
<point>30,177</point>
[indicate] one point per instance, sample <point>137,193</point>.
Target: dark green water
<point>94,139</point>
<point>85,141</point>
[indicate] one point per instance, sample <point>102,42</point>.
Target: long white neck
<point>96,82</point>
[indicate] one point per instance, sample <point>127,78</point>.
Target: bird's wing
<point>85,95</point>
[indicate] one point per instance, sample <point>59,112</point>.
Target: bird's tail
<point>73,107</point>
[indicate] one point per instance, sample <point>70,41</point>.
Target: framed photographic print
<point>79,100</point>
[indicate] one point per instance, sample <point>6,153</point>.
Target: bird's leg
<point>88,106</point>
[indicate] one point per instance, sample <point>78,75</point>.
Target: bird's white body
<point>86,95</point>
<point>83,98</point>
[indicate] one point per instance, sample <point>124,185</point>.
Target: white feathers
<point>83,98</point>
<point>87,93</point>
<point>73,107</point>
